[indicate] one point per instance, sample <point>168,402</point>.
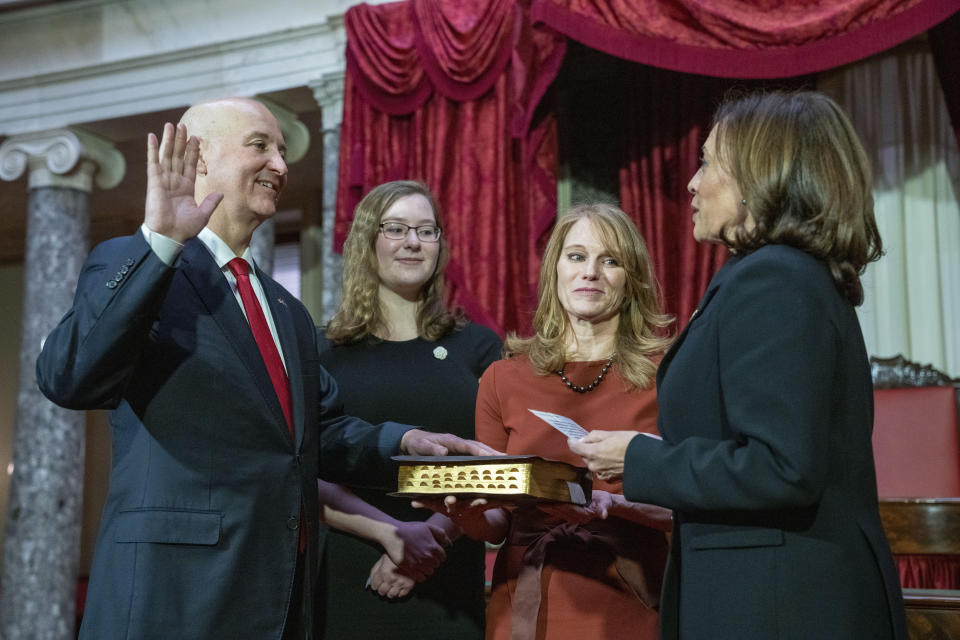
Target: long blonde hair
<point>641,330</point>
<point>360,314</point>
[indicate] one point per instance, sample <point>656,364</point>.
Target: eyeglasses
<point>399,231</point>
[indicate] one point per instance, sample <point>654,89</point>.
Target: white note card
<point>563,424</point>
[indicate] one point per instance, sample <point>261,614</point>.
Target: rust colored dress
<point>583,593</point>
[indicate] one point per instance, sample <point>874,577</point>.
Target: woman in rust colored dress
<point>566,571</point>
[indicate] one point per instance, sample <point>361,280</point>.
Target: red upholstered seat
<point>916,445</point>
<point>916,442</point>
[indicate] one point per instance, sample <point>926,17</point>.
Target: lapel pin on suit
<point>282,301</point>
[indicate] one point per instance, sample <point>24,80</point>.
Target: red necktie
<point>261,333</point>
<point>270,355</point>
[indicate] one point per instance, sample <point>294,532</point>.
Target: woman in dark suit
<point>766,399</point>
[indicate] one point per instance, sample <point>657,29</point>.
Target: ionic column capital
<point>295,133</point>
<point>62,158</point>
<point>328,92</point>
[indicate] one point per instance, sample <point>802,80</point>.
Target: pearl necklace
<point>590,387</point>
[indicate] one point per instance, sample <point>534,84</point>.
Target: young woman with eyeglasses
<point>399,353</point>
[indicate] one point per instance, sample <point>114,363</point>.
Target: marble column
<point>326,273</point>
<point>262,243</point>
<point>43,520</point>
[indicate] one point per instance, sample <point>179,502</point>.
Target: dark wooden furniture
<point>917,449</point>
<point>922,525</point>
<point>897,372</point>
<point>932,614</point>
<point>928,528</point>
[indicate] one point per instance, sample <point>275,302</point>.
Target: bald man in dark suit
<point>210,527</point>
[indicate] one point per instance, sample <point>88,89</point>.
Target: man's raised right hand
<point>171,209</point>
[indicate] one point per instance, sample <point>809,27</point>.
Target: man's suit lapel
<point>282,318</point>
<point>212,287</point>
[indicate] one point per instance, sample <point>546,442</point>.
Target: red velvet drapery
<point>742,38</point>
<point>671,114</point>
<point>929,571</point>
<point>721,39</point>
<point>445,92</point>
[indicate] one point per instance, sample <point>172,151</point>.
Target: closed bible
<point>506,478</point>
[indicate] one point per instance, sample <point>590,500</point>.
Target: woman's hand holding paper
<point>603,451</point>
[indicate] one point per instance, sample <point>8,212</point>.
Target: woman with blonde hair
<point>566,571</point>
<point>397,352</point>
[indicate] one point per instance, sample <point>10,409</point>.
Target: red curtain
<point>928,571</point>
<point>668,114</point>
<point>669,119</point>
<point>742,38</point>
<point>445,92</point>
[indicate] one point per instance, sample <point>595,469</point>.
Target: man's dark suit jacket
<point>199,534</point>
<point>766,416</point>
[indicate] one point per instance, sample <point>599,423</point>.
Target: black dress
<point>432,385</point>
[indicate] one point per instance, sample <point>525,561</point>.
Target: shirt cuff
<point>167,249</point>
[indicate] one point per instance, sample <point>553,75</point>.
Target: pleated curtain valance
<point>453,93</point>
<point>742,38</point>
<point>445,92</point>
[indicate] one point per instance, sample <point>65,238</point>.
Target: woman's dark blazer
<point>766,412</point>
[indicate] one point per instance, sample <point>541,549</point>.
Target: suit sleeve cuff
<point>637,471</point>
<point>391,434</point>
<point>167,249</point>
